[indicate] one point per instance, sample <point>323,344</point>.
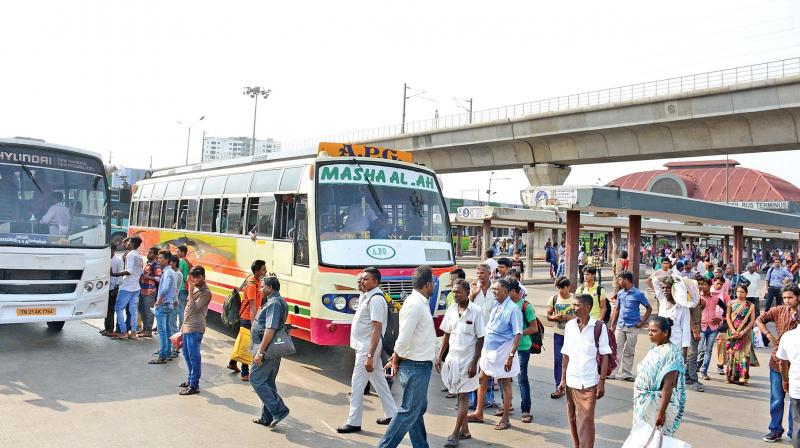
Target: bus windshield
<point>52,207</point>
<point>379,214</point>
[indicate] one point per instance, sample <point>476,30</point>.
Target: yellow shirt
<point>595,312</point>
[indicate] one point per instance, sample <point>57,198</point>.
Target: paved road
<point>76,388</point>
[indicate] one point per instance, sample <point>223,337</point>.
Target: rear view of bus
<point>54,233</point>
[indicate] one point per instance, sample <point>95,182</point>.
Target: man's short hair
<point>504,283</point>
<point>488,254</point>
<point>562,282</point>
<point>257,265</point>
<point>422,276</point>
<point>173,258</point>
<point>590,270</point>
<point>586,300</point>
<point>666,260</point>
<point>459,273</point>
<point>627,275</point>
<point>136,241</point>
<point>513,285</point>
<point>197,271</point>
<point>504,262</point>
<point>375,273</point>
<point>153,249</point>
<point>483,266</point>
<point>183,248</point>
<point>273,283</point>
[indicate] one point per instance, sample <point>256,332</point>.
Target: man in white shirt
<point>369,325</point>
<point>128,296</point>
<point>412,363</point>
<point>754,288</point>
<point>490,262</point>
<point>580,379</point>
<point>789,355</point>
<point>57,216</point>
<point>113,289</point>
<point>482,294</point>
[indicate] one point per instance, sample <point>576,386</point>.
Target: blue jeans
<point>182,296</point>
<point>522,378</point>
<point>558,343</point>
<point>172,320</point>
<point>262,378</point>
<point>191,354</point>
<point>776,396</point>
<point>127,300</point>
<point>414,377</point>
<point>162,316</point>
<point>706,346</point>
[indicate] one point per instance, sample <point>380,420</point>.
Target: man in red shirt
<point>251,302</point>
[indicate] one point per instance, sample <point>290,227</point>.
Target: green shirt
<point>529,315</point>
<point>184,268</point>
<point>450,299</point>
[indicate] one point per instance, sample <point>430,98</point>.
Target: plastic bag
<point>241,348</point>
<point>177,340</point>
<point>758,341</point>
<point>643,435</point>
<point>686,292</point>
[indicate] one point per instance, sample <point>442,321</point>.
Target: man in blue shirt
<point>777,277</point>
<point>167,291</point>
<point>629,299</point>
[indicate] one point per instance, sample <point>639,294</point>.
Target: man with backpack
<point>585,365</point>
<point>530,328</point>
<point>368,327</point>
<point>592,288</point>
<point>249,304</point>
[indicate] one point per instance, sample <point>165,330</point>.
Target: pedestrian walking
<point>250,303</point>
<point>789,355</point>
<point>366,333</point>
<point>785,319</point>
<point>163,307</point>
<point>626,320</point>
<point>193,328</point>
<point>113,288</point>
<point>559,311</point>
<point>593,288</point>
<point>412,363</point>
<point>530,327</point>
<point>580,379</point>
<point>464,332</point>
<point>148,284</point>
<point>482,294</point>
<point>518,264</point>
<point>740,321</point>
<point>128,295</point>
<point>777,277</point>
<point>270,318</point>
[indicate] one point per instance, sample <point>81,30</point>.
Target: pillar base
<point>547,174</point>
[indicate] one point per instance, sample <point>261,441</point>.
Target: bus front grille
<point>39,288</point>
<point>397,290</point>
<point>40,274</point>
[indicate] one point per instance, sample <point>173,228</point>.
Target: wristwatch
<point>370,355</point>
<point>511,355</point>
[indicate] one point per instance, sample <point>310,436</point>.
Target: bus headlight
<point>339,303</point>
<point>88,286</point>
<point>99,284</point>
<point>353,303</point>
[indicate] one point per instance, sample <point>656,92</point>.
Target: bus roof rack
<point>229,163</point>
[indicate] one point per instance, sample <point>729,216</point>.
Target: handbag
<point>643,435</point>
<point>281,344</point>
<point>177,340</point>
<point>241,348</point>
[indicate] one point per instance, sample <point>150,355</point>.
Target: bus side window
<point>155,214</point>
<point>170,213</point>
<point>260,216</point>
<point>209,215</point>
<point>284,222</point>
<point>301,232</point>
<point>187,214</point>
<point>144,212</point>
<point>232,216</point>
<point>133,214</point>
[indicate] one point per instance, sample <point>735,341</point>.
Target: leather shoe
<point>345,429</point>
<point>383,421</point>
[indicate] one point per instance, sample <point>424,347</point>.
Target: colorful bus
<point>54,233</point>
<point>317,219</point>
<point>120,207</point>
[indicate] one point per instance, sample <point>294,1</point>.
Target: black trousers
<point>773,294</point>
<point>109,322</point>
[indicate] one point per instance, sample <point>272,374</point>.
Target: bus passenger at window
<point>359,215</point>
<point>57,216</point>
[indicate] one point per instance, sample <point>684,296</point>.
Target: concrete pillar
<point>653,248</point>
<point>516,239</point>
<point>529,251</point>
<point>554,238</point>
<point>634,244</point>
<point>738,245</point>
<point>487,237</point>
<point>679,240</point>
<point>573,233</point>
<point>459,236</point>
<point>547,174</point>
<point>478,243</point>
<point>748,247</point>
<point>726,252</point>
<point>591,243</point>
<point>616,241</point>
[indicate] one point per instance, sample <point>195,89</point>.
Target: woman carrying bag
<point>270,342</point>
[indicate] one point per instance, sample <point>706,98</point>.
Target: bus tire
<point>55,325</point>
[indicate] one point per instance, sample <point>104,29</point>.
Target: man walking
<point>148,282</point>
<point>630,320</point>
<point>128,295</point>
<point>163,307</point>
<point>369,326</point>
<point>580,379</point>
<point>113,289</point>
<point>789,354</point>
<point>193,328</point>
<point>785,319</point>
<point>529,328</point>
<point>482,294</point>
<point>251,302</point>
<point>777,277</point>
<point>754,287</point>
<point>412,363</point>
<point>591,287</point>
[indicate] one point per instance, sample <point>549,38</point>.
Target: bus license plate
<point>36,311</point>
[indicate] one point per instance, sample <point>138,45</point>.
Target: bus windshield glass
<point>380,214</point>
<point>52,207</point>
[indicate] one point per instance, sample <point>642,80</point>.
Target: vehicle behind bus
<point>54,233</point>
<point>316,221</point>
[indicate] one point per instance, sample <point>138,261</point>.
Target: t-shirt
<point>629,302</point>
<point>518,265</point>
<point>134,266</point>
<point>372,307</point>
<point>251,292</point>
<point>562,307</point>
<point>116,266</point>
<point>492,263</point>
<point>528,316</point>
<point>194,316</point>
<point>183,266</point>
<point>789,350</point>
<point>592,291</point>
<point>271,316</point>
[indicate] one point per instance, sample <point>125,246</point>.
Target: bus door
<point>283,237</point>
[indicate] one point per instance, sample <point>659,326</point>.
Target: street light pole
<point>189,136</point>
<point>406,98</point>
<point>255,92</point>
<point>466,108</point>
<point>489,191</point>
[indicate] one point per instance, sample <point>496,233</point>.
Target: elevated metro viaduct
<point>605,209</point>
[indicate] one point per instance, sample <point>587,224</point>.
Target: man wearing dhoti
<point>498,357</point>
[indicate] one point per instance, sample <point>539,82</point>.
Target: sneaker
<point>720,371</point>
<point>697,387</point>
<point>706,377</point>
<point>772,437</point>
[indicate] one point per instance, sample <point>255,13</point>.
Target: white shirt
<point>754,289</point>
<point>680,315</point>
<point>116,266</point>
<point>789,350</point>
<point>416,339</point>
<point>370,309</point>
<point>492,263</point>
<point>57,217</point>
<point>178,281</point>
<point>359,216</point>
<point>133,265</point>
<point>464,330</point>
<point>582,352</point>
<point>581,254</point>
<point>485,301</point>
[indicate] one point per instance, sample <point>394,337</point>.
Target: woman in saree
<point>659,395</point>
<point>740,317</point>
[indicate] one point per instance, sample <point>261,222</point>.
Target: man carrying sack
<point>251,302</point>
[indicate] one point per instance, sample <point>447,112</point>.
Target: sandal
<point>234,368</point>
<point>245,378</point>
<point>500,412</point>
<point>465,436</point>
<point>472,419</point>
<point>261,421</point>
<point>556,395</point>
<point>184,385</point>
<point>157,361</point>
<point>501,425</point>
<point>526,418</point>
<point>451,396</point>
<point>451,442</point>
<point>189,391</point>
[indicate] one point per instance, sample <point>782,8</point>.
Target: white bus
<point>316,221</point>
<point>54,233</point>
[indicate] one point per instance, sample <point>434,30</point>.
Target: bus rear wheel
<point>55,325</point>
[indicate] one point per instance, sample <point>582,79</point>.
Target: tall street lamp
<point>189,136</point>
<point>255,92</point>
<point>407,97</point>
<point>489,192</point>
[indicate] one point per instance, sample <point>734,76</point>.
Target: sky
<point>125,79</point>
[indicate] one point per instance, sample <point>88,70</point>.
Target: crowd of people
<point>491,331</point>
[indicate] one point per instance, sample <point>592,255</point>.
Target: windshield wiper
<point>371,187</point>
<point>30,175</point>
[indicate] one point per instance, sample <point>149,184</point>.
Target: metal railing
<point>690,83</point>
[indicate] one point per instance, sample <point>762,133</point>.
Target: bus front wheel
<point>56,325</point>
